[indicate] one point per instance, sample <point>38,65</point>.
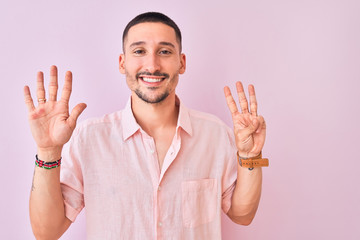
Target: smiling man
<point>154,170</point>
<point>152,61</point>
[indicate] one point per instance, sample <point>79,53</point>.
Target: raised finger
<point>230,100</point>
<point>66,92</point>
<point>253,102</point>
<point>40,90</point>
<point>53,84</point>
<point>242,97</point>
<point>28,99</point>
<point>75,113</point>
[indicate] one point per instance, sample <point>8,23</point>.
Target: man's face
<point>152,61</point>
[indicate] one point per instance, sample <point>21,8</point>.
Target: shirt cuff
<point>70,212</point>
<point>226,198</point>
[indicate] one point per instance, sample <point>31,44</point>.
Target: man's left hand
<point>249,128</point>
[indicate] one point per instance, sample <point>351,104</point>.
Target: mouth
<point>152,79</point>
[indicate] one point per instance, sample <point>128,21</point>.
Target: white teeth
<point>152,79</point>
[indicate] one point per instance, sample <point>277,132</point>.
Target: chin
<point>153,99</point>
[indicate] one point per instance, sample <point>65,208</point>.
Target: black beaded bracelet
<point>47,165</point>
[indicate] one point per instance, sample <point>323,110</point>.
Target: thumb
<point>253,126</point>
<point>75,113</point>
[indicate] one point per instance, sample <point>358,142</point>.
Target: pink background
<point>302,56</point>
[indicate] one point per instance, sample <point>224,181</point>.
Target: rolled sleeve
<point>226,198</point>
<point>73,202</point>
<point>71,181</point>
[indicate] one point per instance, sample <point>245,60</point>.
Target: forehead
<point>151,32</point>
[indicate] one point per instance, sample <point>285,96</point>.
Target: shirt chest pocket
<point>199,201</point>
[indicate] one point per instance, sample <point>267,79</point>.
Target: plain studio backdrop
<point>302,56</point>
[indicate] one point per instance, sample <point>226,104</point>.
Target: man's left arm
<point>250,132</point>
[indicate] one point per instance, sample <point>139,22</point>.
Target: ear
<point>182,63</point>
<point>121,63</point>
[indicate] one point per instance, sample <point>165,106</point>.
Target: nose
<point>152,63</point>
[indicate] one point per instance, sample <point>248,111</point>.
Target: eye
<point>138,51</point>
<point>165,52</point>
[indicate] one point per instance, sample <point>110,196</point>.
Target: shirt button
<point>152,151</point>
<point>160,224</point>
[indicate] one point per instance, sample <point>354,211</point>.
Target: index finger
<point>230,100</point>
<point>253,101</point>
<point>66,92</point>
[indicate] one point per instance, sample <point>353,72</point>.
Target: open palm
<point>50,122</point>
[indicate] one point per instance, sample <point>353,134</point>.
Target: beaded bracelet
<point>47,165</point>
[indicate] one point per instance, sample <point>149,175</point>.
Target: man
<point>155,170</point>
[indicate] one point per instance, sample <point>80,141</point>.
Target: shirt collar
<point>130,126</point>
<point>184,117</point>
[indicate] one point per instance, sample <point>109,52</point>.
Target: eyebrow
<point>134,44</point>
<point>167,44</point>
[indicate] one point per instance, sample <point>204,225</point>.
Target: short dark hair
<point>152,17</point>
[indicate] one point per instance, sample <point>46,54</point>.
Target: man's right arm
<point>51,126</point>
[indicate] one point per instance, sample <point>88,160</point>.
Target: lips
<point>151,80</point>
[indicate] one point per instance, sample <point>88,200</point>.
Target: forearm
<point>246,196</point>
<point>47,213</point>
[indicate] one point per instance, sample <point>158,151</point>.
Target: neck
<point>153,117</point>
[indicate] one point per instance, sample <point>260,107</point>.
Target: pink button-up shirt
<point>110,166</point>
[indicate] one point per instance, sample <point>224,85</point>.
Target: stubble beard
<point>155,100</point>
<point>146,97</point>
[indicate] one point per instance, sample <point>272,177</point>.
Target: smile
<point>152,80</point>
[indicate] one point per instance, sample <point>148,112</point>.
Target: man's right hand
<point>50,122</point>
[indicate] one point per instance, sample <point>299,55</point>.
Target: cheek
<point>132,65</point>
<point>130,78</point>
<point>173,83</point>
<point>131,82</point>
<point>130,74</point>
<point>172,67</point>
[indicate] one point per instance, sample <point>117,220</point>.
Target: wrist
<point>247,155</point>
<point>49,154</point>
<point>251,162</point>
